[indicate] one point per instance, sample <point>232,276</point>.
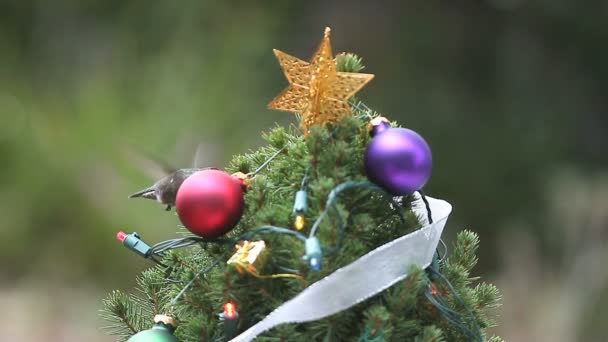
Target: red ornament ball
<point>210,203</point>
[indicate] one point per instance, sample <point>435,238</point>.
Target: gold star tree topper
<point>316,90</point>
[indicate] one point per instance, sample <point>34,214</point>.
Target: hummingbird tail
<point>145,193</point>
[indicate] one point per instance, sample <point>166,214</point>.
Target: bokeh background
<point>510,94</point>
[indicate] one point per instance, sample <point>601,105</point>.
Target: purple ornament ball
<point>399,160</point>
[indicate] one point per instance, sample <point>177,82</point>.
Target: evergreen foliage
<point>362,221</point>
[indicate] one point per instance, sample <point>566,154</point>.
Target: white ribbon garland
<point>372,273</point>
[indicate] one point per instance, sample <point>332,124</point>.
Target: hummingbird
<point>165,189</point>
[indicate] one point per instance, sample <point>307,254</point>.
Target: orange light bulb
<point>229,310</point>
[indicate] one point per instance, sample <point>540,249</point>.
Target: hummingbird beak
<point>145,193</point>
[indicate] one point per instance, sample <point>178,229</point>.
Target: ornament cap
<point>166,320</point>
<point>377,125</point>
<point>242,179</point>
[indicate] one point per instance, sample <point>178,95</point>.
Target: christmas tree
<point>324,234</point>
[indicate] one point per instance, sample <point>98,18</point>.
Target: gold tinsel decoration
<point>316,90</point>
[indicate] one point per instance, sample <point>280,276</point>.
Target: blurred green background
<point>510,94</point>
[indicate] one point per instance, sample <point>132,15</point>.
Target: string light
<point>230,318</point>
<point>299,222</point>
<point>230,310</point>
<point>134,242</point>
<point>313,253</point>
<point>433,289</point>
<point>300,204</point>
<point>121,236</point>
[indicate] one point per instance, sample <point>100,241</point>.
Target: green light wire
<point>261,167</point>
<point>271,229</point>
<point>454,317</point>
<point>162,247</point>
<point>305,178</point>
<point>185,288</point>
<point>365,337</point>
<point>333,196</point>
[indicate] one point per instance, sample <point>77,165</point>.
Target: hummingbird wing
<point>198,155</point>
<point>150,164</point>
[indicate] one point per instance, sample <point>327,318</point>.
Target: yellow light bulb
<point>299,222</point>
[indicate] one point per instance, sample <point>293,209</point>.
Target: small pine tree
<point>329,155</point>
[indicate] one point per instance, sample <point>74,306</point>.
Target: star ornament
<point>316,90</point>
